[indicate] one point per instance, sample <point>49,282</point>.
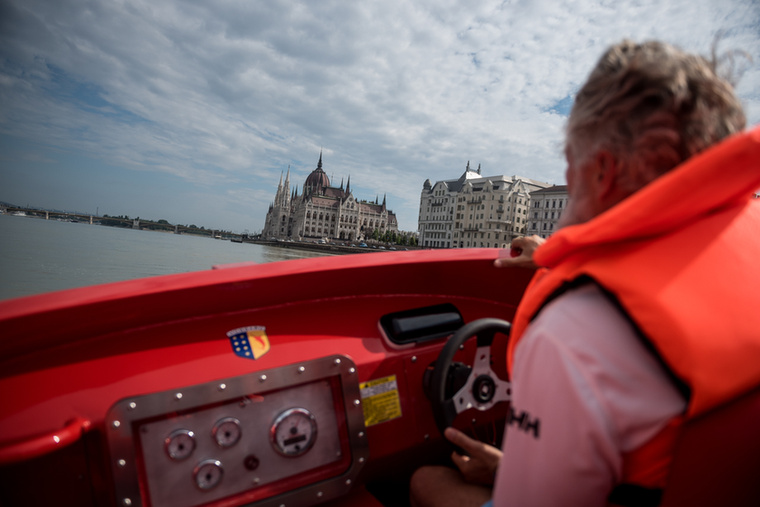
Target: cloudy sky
<point>190,110</point>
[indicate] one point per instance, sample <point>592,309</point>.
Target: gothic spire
<point>286,188</point>
<point>278,196</point>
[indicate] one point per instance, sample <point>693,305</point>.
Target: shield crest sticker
<point>249,342</point>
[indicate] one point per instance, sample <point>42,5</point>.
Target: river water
<point>39,255</point>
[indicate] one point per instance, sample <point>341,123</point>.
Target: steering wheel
<point>482,389</point>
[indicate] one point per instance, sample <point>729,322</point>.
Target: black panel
<point>422,324</point>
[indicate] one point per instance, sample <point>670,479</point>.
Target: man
<point>645,315</point>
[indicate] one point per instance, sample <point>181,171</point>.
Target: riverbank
<point>332,248</point>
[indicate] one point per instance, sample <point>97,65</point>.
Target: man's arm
<point>479,465</point>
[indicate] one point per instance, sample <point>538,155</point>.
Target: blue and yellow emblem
<point>249,342</point>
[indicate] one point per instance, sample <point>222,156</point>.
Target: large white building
<point>323,211</point>
<point>475,211</point>
<point>546,206</point>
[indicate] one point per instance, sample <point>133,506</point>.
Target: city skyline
<point>178,111</point>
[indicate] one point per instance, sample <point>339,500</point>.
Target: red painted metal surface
<point>44,444</point>
<point>69,356</point>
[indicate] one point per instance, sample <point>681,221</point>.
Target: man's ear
<point>607,169</point>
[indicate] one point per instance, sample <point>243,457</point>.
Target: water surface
<point>38,255</point>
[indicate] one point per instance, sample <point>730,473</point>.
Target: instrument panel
<point>286,436</point>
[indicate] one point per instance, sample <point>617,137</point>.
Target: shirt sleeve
<point>585,390</point>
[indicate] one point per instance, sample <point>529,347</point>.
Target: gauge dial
<point>294,432</point>
<point>227,432</point>
<point>179,444</point>
<point>208,474</point>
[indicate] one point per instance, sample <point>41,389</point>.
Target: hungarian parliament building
<point>324,212</point>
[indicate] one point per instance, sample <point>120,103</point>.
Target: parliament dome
<point>317,179</point>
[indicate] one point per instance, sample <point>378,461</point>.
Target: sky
<point>191,111</point>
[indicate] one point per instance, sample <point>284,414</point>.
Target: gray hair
<point>652,106</point>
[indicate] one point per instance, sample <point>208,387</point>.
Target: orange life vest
<point>682,258</point>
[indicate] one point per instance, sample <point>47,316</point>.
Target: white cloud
<point>225,96</point>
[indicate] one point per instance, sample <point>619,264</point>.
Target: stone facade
<point>475,211</point>
<point>324,212</point>
<point>546,207</point>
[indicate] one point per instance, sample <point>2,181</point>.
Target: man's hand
<point>483,460</point>
<point>521,254</point>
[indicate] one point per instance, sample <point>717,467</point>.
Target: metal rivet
<point>361,434</point>
<point>319,494</point>
<point>222,387</point>
<point>352,370</point>
<point>361,460</point>
<point>357,402</point>
<point>256,480</point>
<point>414,359</point>
<point>116,424</point>
<point>56,439</point>
<point>178,396</point>
<point>122,462</point>
<point>132,405</point>
<point>301,369</point>
<point>427,437</point>
<point>262,378</point>
<point>127,501</point>
<point>348,482</point>
<point>337,361</point>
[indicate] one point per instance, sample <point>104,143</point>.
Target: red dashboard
<point>291,383</point>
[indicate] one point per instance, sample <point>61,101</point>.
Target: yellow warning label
<point>380,400</point>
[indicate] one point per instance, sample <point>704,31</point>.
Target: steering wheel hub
<point>483,389</point>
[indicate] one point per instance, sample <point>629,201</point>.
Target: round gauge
<point>208,474</point>
<point>227,432</point>
<point>179,444</point>
<point>294,432</point>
